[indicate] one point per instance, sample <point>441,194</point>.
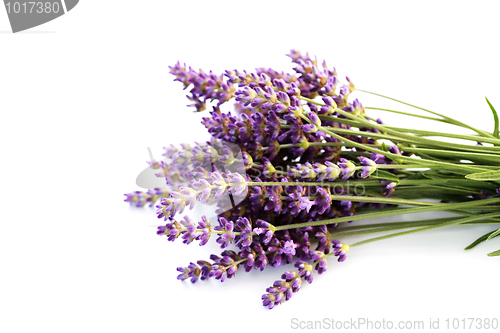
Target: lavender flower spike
<point>244,227</point>
<point>227,234</point>
<point>348,168</point>
<point>205,231</point>
<point>273,297</point>
<point>305,270</point>
<point>192,271</point>
<point>265,228</point>
<point>306,204</point>
<point>389,188</point>
<point>289,247</point>
<point>369,166</point>
<point>282,290</point>
<point>320,261</point>
<point>189,233</point>
<point>328,170</point>
<point>340,250</point>
<point>239,183</point>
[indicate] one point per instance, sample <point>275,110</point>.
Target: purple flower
<point>307,171</point>
<point>389,188</point>
<point>346,204</point>
<point>324,242</point>
<point>244,227</point>
<point>276,253</point>
<point>140,199</point>
<point>258,124</point>
<point>369,166</point>
<point>219,272</point>
<point>293,134</point>
<point>267,167</point>
<point>168,207</point>
<point>239,183</point>
<point>306,204</point>
<point>289,247</point>
<point>357,107</point>
<point>293,208</point>
<point>309,128</point>
<point>348,168</point>
<point>172,230</point>
<point>250,257</point>
<point>294,279</point>
<point>305,270</point>
<point>261,260</point>
<point>323,201</point>
<point>340,249</point>
<point>273,297</point>
<point>256,97</point>
<point>274,202</point>
<point>291,284</point>
<point>266,229</point>
<point>206,268</point>
<point>256,196</point>
<point>378,158</point>
<point>220,182</point>
<point>189,232</point>
<point>205,231</point>
<point>227,156</point>
<point>192,271</point>
<point>164,208</point>
<point>327,171</point>
<point>395,150</point>
<point>226,235</point>
<point>293,192</point>
<point>273,125</point>
<point>205,189</point>
<point>320,260</point>
<point>135,198</point>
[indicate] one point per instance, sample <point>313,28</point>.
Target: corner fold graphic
<point>70,4</point>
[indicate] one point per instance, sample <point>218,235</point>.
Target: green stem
<point>461,155</point>
<point>408,224</point>
<point>441,225</point>
<point>446,135</point>
<point>406,114</point>
<point>417,139</point>
<point>445,165</point>
<point>446,118</point>
<point>443,207</point>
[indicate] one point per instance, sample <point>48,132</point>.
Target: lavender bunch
<point>297,159</point>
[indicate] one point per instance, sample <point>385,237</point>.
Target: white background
<point>83,96</point>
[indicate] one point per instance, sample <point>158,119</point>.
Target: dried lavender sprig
<point>282,290</point>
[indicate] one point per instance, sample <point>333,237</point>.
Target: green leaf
<point>494,254</point>
<point>382,174</point>
<point>480,240</point>
<point>484,176</point>
<point>495,117</point>
<point>494,234</point>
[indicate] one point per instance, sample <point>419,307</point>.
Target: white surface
<point>83,96</point>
